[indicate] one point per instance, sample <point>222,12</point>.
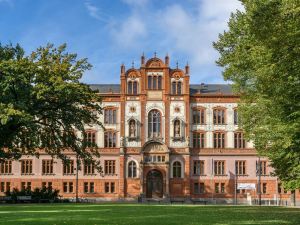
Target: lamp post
<point>77,168</point>
<point>259,181</point>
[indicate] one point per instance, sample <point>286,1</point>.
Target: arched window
<point>176,87</point>
<point>132,128</point>
<point>159,82</point>
<point>129,89</point>
<point>177,169</point>
<point>135,87</point>
<point>177,133</point>
<point>132,169</point>
<point>154,82</point>
<point>154,124</point>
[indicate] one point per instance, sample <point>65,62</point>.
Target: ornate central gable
<point>155,147</point>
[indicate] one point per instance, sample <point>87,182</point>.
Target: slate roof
<point>106,88</point>
<point>194,88</point>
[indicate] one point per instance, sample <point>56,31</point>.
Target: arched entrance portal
<point>154,184</point>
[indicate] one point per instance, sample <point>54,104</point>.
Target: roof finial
<point>177,65</point>
<point>132,64</point>
<point>155,54</point>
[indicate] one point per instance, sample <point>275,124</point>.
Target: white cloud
<point>137,3</point>
<point>129,32</point>
<point>92,10</point>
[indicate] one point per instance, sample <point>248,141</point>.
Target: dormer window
<point>132,88</point>
<point>176,87</point>
<point>154,82</point>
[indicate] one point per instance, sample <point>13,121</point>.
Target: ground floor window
<point>109,187</point>
<point>219,187</point>
<point>4,186</point>
<point>89,187</point>
<point>46,185</point>
<point>68,187</point>
<point>25,185</point>
<point>198,188</point>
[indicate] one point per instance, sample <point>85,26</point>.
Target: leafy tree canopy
<point>260,54</point>
<point>43,104</point>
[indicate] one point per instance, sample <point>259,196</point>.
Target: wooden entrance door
<point>154,184</point>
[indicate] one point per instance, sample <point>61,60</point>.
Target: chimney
<point>167,60</point>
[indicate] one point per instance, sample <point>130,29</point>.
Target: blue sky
<point>111,32</point>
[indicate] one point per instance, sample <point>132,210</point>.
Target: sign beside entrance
<point>247,186</point>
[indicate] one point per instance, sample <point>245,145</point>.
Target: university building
<point>163,138</point>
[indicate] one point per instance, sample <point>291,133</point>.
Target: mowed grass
<point>92,214</point>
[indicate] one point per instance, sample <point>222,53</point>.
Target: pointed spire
<point>132,64</point>
<point>167,60</point>
<point>122,69</point>
<point>155,54</point>
<point>176,64</point>
<point>143,59</point>
<point>187,68</point>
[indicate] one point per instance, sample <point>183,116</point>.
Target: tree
<point>260,54</point>
<point>43,105</point>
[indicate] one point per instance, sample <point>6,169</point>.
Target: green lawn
<point>92,214</point>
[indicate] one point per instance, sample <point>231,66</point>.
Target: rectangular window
<point>109,167</point>
<point>222,187</point>
<point>217,187</point>
<point>68,187</point>
<point>110,139</point>
<point>219,167</point>
<point>198,140</point>
<point>86,187</point>
<point>198,167</point>
<point>92,187</point>
<point>240,168</point>
<point>219,140</point>
<point>110,116</point>
<point>47,166</point>
<point>6,167</point>
<point>90,138</point>
<point>65,187</point>
<point>25,186</point>
<point>109,187</point>
<point>2,187</point>
<point>264,188</point>
<point>239,141</point>
<point>89,168</point>
<point>235,117</point>
<point>219,116</point>
<point>46,185</point>
<point>199,188</point>
<point>198,116</point>
<point>69,168</point>
<point>26,166</point>
<point>262,167</point>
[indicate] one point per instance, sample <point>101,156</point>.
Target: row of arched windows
<point>154,83</point>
